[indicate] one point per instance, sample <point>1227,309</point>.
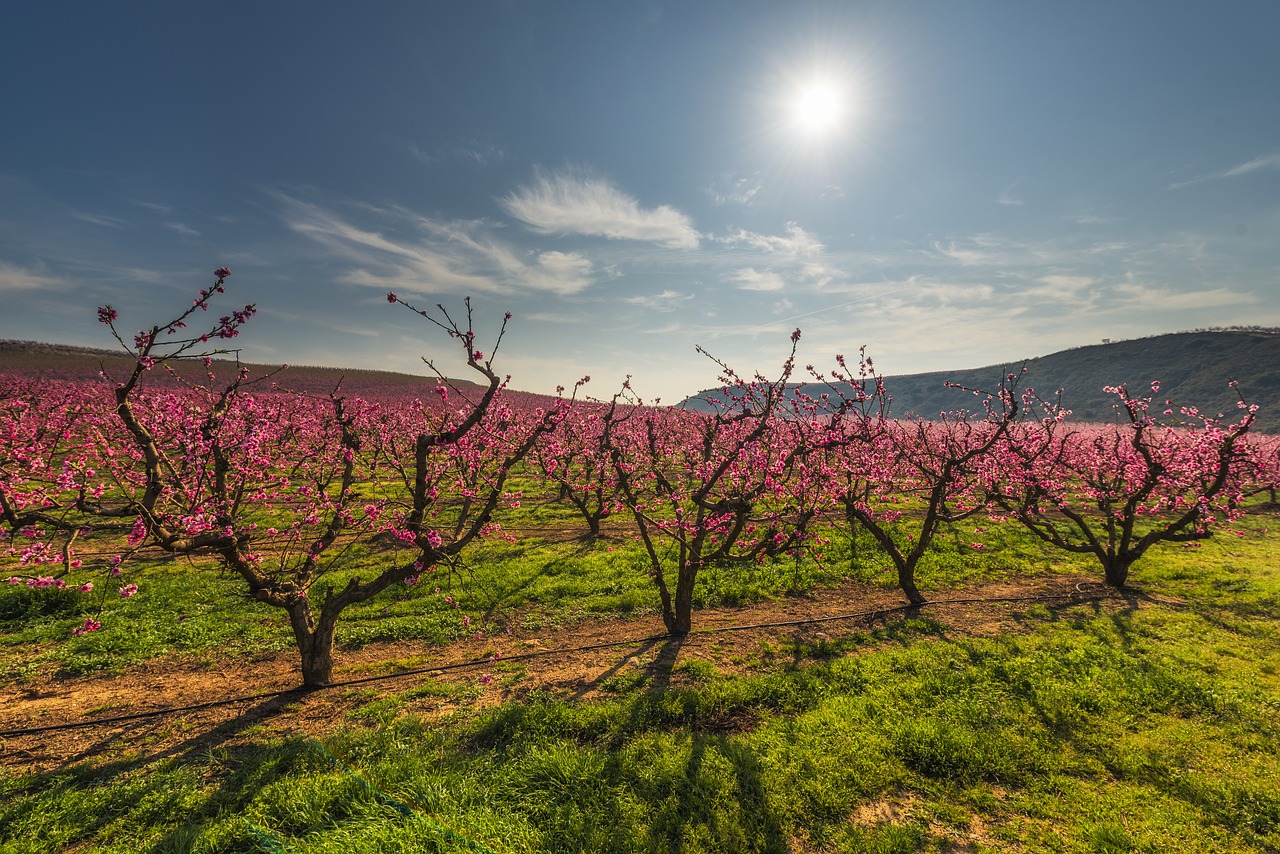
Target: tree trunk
<point>907,581</point>
<point>315,644</point>
<point>1116,568</point>
<point>680,620</point>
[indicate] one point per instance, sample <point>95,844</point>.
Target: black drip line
<point>524,656</point>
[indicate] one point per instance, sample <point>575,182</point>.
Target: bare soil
<point>560,662</point>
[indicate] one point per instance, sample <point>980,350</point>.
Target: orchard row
<point>278,486</point>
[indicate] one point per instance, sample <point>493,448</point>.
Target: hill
<point>1193,369</point>
<point>63,361</point>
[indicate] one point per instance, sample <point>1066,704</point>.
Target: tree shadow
<point>250,761</point>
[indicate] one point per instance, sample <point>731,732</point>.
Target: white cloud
<point>183,229</point>
<point>1068,283</point>
<point>751,279</point>
<point>1265,161</point>
<point>796,242</point>
<point>962,255</point>
<point>1136,294</point>
<point>163,210</point>
<point>569,204</point>
<point>1007,197</point>
<point>470,151</point>
<point>15,278</point>
<point>98,219</point>
<point>733,189</point>
<point>560,272</point>
<point>460,256</point>
<point>666,301</point>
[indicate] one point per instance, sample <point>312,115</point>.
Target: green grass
<point>1151,729</point>
<point>536,583</point>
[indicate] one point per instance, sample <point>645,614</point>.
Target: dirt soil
<point>552,661</point>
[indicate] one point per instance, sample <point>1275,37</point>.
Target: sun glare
<point>818,107</point>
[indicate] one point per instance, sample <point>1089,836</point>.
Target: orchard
<point>279,486</point>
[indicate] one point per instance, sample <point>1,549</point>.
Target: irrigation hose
<point>524,656</point>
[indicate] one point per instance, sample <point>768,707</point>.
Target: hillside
<point>61,361</point>
<point>1193,369</point>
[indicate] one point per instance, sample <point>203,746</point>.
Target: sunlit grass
<point>1148,729</point>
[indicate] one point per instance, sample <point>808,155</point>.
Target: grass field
<point>1148,722</point>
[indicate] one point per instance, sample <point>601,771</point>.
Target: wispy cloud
<point>1008,198</point>
<point>470,151</point>
<point>99,219</point>
<point>735,189</point>
<point>751,279</point>
<point>15,278</point>
<point>664,302</point>
<point>154,207</point>
<point>796,242</point>
<point>183,229</point>
<point>565,203</point>
<point>1265,161</point>
<point>967,256</point>
<point>1136,294</point>
<point>417,254</point>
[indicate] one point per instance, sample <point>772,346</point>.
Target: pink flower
<point>128,590</point>
<point>391,296</point>
<point>222,272</point>
<point>107,314</point>
<point>86,587</point>
<point>434,538</point>
<point>477,355</point>
<point>90,625</point>
<point>486,679</point>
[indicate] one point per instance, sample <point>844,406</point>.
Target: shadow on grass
<point>123,788</point>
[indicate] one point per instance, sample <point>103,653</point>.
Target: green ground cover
<point>1151,728</point>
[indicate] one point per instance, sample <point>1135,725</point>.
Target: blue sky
<point>951,184</point>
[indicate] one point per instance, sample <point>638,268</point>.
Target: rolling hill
<point>64,361</point>
<point>1193,369</point>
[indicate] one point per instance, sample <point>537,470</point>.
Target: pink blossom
<point>90,625</point>
<point>128,590</point>
<point>222,272</point>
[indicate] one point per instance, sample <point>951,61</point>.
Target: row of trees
<point>278,486</point>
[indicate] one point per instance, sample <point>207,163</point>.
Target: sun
<point>818,107</point>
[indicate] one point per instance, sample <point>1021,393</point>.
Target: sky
<point>949,184</point>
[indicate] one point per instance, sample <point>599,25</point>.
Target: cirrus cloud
<point>565,203</point>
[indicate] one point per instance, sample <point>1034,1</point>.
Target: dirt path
<point>533,661</point>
